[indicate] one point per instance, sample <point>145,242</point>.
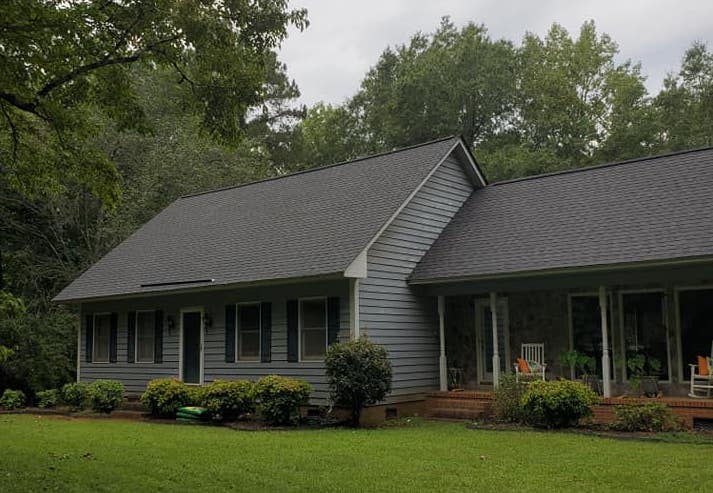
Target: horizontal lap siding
<point>135,376</point>
<point>390,312</point>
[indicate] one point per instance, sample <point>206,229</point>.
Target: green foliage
<point>105,395</point>
<point>62,61</point>
<point>75,395</point>
<point>640,365</point>
<point>582,363</point>
<point>164,396</point>
<point>12,399</point>
<point>359,374</point>
<point>47,398</point>
<point>227,400</point>
<point>279,399</point>
<point>653,417</point>
<point>507,400</point>
<point>557,404</point>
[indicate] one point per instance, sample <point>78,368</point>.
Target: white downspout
<point>606,376</point>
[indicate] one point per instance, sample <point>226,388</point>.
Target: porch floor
<point>478,404</point>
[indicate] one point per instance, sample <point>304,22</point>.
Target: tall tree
<point>59,59</point>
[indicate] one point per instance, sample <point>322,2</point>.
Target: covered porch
<point>657,316</point>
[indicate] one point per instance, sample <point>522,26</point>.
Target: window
<point>102,337</point>
<point>696,312</point>
<point>145,333</point>
<point>645,332</point>
<point>313,328</point>
<point>248,331</point>
<point>586,326</point>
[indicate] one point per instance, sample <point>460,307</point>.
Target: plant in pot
<point>585,367</point>
<point>644,374</point>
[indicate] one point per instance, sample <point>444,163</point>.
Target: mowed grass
<point>49,453</point>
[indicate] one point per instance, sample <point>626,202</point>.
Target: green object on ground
<point>192,411</point>
<point>48,453</point>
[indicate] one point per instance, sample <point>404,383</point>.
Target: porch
<point>624,323</point>
<point>475,405</point>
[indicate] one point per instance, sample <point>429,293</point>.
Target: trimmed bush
<point>164,396</point>
<point>228,399</point>
<point>75,395</point>
<point>279,399</point>
<point>652,416</point>
<point>557,404</point>
<point>12,399</point>
<point>105,395</point>
<point>47,398</point>
<point>507,400</point>
<point>359,374</point>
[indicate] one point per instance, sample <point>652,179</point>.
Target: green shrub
<point>47,398</point>
<point>653,416</point>
<point>507,400</point>
<point>228,399</point>
<point>279,399</point>
<point>557,404</point>
<point>164,396</point>
<point>105,395</point>
<point>12,399</point>
<point>359,374</point>
<point>75,395</point>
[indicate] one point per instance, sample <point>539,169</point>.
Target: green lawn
<point>47,453</point>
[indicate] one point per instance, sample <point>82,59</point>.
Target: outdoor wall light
<point>171,324</point>
<point>207,320</point>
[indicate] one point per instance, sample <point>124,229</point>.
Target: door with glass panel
<point>645,332</point>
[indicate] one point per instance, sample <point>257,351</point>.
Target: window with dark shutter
<point>230,333</point>
<point>113,334</point>
<point>89,338</point>
<point>332,320</point>
<point>130,337</point>
<point>292,331</point>
<point>101,338</point>
<point>266,332</point>
<point>158,337</point>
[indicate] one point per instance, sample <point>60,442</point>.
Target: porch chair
<point>702,376</point>
<point>531,363</point>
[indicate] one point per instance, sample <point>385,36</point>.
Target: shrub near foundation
<point>279,399</point>
<point>12,399</point>
<point>228,399</point>
<point>47,398</point>
<point>105,395</point>
<point>653,416</point>
<point>74,395</point>
<point>164,396</point>
<point>507,400</point>
<point>557,404</point>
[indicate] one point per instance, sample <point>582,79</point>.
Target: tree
<point>684,107</point>
<point>359,374</point>
<point>61,59</point>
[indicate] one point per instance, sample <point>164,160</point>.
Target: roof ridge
<point>320,168</point>
<point>600,166</point>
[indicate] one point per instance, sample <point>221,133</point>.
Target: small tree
<point>359,374</point>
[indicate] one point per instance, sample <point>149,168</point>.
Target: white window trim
<point>193,309</point>
<point>677,290</point>
<point>237,331</point>
<point>664,315</point>
<point>136,338</point>
<point>612,336</point>
<point>94,339</point>
<point>299,328</point>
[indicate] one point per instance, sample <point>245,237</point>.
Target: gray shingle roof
<point>657,208</point>
<point>306,224</point>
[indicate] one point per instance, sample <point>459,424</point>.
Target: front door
<point>484,338</point>
<point>191,342</point>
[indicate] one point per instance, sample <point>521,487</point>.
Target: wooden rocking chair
<point>531,363</point>
<point>702,376</point>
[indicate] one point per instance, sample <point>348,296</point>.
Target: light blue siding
<point>391,312</point>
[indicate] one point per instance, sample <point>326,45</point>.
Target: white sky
<point>329,59</point>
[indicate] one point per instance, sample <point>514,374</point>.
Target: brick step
<point>459,404</point>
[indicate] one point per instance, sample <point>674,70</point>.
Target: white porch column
<point>606,368</point>
<point>442,362</point>
<point>496,354</point>
<point>354,308</point>
<point>79,344</point>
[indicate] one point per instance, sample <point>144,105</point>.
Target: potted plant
<point>585,367</point>
<point>644,374</point>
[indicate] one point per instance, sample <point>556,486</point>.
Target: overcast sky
<point>345,38</point>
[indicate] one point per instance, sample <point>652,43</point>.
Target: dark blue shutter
<point>332,320</point>
<point>130,337</point>
<point>89,338</point>
<point>112,338</point>
<point>230,333</point>
<point>158,337</point>
<point>265,332</point>
<point>292,331</point>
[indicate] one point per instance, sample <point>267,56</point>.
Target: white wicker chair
<point>534,355</point>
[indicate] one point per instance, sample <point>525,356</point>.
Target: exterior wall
<point>135,376</point>
<point>391,312</point>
